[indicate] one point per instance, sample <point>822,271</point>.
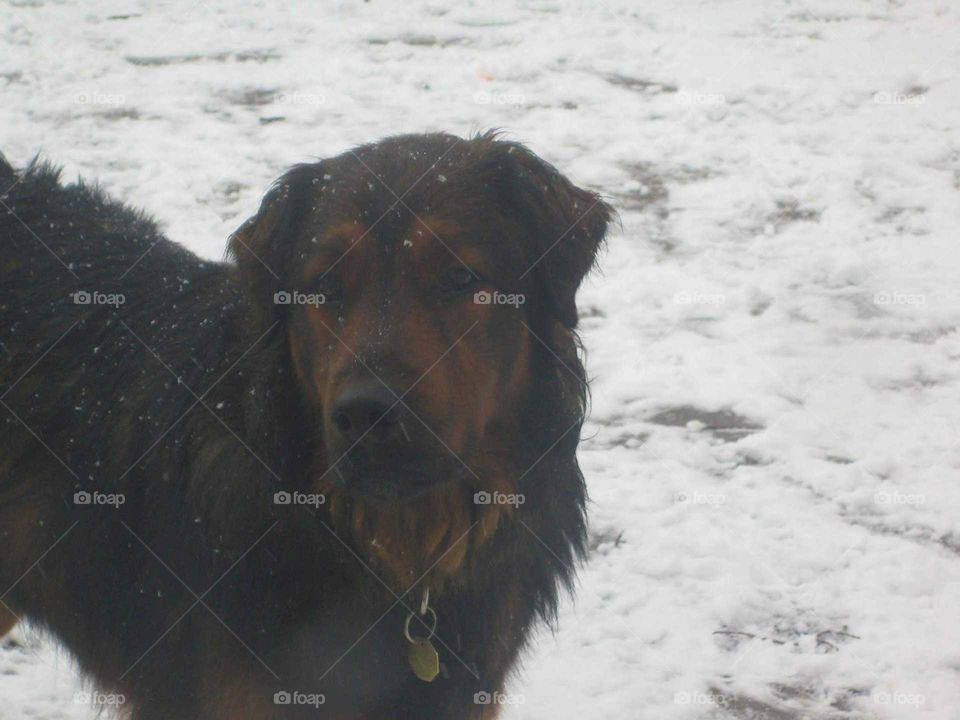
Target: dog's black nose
<point>366,411</point>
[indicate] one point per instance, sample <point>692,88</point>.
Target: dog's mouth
<point>412,508</point>
<point>397,475</point>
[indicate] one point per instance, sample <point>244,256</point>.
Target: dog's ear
<point>567,225</point>
<point>263,246</point>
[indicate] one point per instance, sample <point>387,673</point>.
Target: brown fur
<point>402,397</point>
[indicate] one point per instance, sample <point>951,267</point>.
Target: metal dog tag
<point>424,659</point>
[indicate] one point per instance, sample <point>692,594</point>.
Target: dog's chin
<point>383,483</point>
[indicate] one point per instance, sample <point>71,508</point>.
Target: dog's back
<point>94,302</point>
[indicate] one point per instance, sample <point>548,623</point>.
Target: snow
<point>773,450</point>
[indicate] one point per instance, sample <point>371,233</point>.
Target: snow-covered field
<point>774,449</point>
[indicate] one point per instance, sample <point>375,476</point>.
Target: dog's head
<point>425,288</point>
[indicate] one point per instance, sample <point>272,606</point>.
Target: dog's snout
<point>366,412</point>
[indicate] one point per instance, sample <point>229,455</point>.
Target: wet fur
<point>87,406</point>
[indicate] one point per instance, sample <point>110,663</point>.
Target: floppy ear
<point>567,224</point>
<point>263,246</point>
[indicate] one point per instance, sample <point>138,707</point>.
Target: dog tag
<point>424,659</point>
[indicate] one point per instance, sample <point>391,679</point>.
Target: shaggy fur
<point>198,398</point>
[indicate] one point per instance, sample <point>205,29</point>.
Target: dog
<point>333,476</point>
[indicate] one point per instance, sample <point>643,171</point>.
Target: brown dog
<point>333,478</point>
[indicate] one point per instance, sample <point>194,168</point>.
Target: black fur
<point>182,399</point>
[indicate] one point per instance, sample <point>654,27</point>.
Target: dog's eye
<point>458,278</point>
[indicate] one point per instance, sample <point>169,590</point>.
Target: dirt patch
<point>790,211</point>
<point>651,188</point>
<point>416,40</point>
<point>609,537</point>
<point>259,56</point>
<point>249,97</point>
<point>740,707</point>
<point>916,533</point>
<point>723,424</point>
<point>639,84</point>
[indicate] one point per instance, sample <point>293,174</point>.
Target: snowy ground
<point>773,453</point>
